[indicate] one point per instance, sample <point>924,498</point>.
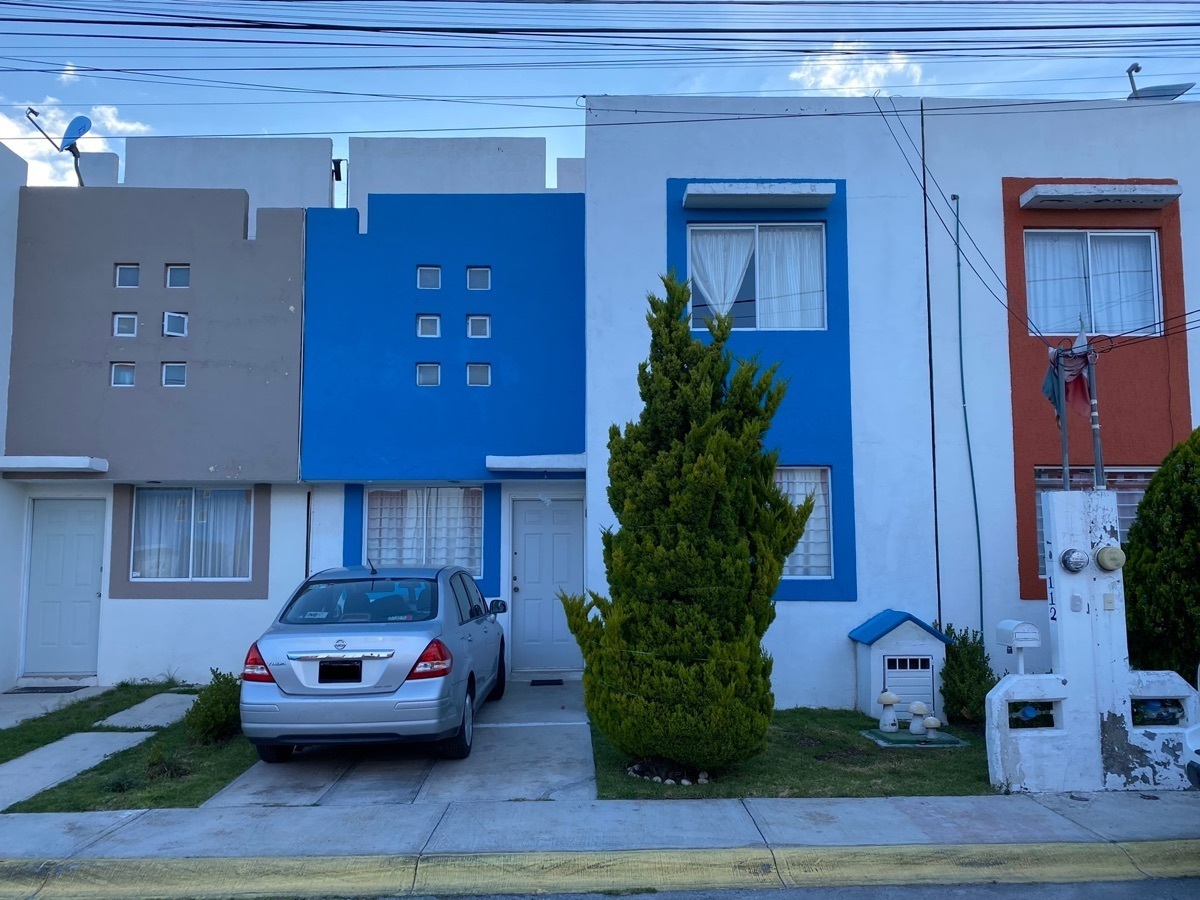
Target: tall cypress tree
<point>674,662</point>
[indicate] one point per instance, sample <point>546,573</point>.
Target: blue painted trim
<point>352,526</point>
<point>489,584</point>
<point>888,621</point>
<point>814,429</point>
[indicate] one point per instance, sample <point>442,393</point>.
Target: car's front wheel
<point>459,746</point>
<point>274,753</point>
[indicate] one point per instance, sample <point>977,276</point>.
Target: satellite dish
<point>80,125</point>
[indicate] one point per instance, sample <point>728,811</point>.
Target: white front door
<point>62,627</point>
<point>547,557</point>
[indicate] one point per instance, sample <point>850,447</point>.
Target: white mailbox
<point>1015,633</point>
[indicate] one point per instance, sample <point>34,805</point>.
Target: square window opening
<point>763,276</point>
<point>479,374</point>
<point>124,325</point>
<point>429,326</point>
<point>429,374</point>
<point>426,526</point>
<point>127,275</point>
<point>429,278</point>
<point>175,324</point>
<point>479,326</point>
<point>191,534</point>
<point>122,374</point>
<point>813,556</point>
<point>179,276</point>
<point>479,278</point>
<point>174,374</point>
<point>1101,282</point>
<point>1034,713</point>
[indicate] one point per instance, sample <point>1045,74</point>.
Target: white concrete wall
<point>13,172</point>
<point>277,172</point>
<point>969,152</point>
<point>185,638</point>
<point>486,165</point>
<point>627,171</point>
<point>328,517</point>
<point>571,176</point>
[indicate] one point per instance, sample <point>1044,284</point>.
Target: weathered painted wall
<point>237,418</point>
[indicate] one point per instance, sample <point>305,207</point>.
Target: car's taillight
<point>255,667</point>
<point>434,662</point>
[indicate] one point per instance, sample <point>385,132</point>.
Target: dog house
<point>897,652</point>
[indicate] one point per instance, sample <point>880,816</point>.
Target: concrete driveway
<point>534,744</point>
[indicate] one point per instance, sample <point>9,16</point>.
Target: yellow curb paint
<point>1165,859</point>
<point>110,879</point>
<point>596,871</point>
<point>21,878</point>
<point>963,864</point>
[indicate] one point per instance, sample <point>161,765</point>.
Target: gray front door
<point>547,558</point>
<point>62,627</point>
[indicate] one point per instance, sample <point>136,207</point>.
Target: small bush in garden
<point>214,716</point>
<point>162,764</point>
<point>120,784</point>
<point>966,677</point>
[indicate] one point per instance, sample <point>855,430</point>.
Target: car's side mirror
<point>498,606</point>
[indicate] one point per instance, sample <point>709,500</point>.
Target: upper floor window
<point>174,374</point>
<point>124,324</point>
<point>175,324</point>
<point>479,326</point>
<point>429,278</point>
<point>479,278</point>
<point>1128,484</point>
<point>426,526</point>
<point>191,534</point>
<point>429,374</point>
<point>813,556</point>
<point>479,374</point>
<point>121,374</point>
<point>179,276</point>
<point>429,326</point>
<point>764,276</point>
<point>1103,282</point>
<point>127,275</point>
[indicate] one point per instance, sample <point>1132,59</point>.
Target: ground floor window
<point>191,534</point>
<point>813,556</point>
<point>1129,484</point>
<point>426,526</point>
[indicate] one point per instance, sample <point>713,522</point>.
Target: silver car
<point>366,655</point>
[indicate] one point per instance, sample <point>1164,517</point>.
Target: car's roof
<point>390,572</point>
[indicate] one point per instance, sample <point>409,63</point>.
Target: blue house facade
<point>444,393</point>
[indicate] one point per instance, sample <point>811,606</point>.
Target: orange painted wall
<point>1143,390</point>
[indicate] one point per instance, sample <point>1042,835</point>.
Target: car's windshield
<point>368,600</point>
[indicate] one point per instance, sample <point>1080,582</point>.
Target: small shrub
<point>161,764</point>
<point>120,784</point>
<point>966,677</point>
<point>214,717</point>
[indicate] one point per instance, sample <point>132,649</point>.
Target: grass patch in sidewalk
<point>815,753</point>
<point>81,715</point>
<point>165,771</point>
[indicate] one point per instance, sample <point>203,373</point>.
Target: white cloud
<point>47,166</point>
<point>844,71</point>
<point>68,74</point>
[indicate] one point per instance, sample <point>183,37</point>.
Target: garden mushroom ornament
<point>919,711</point>
<point>887,721</point>
<point>932,724</point>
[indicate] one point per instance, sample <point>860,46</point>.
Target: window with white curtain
<point>1105,282</point>
<point>191,534</point>
<point>764,276</point>
<point>1128,484</point>
<point>813,556</point>
<point>426,526</point>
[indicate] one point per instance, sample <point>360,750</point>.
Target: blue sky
<point>341,67</point>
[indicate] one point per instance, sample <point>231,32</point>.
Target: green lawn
<point>816,753</point>
<point>82,715</point>
<point>167,770</point>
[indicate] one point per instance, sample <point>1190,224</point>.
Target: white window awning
<point>759,194</point>
<point>81,464</point>
<point>560,462</point>
<point>1100,196</point>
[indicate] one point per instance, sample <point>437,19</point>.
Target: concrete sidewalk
<point>571,846</point>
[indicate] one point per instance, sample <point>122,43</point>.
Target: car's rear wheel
<point>498,687</point>
<point>274,753</point>
<point>459,746</point>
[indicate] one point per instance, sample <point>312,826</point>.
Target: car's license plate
<point>340,671</point>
